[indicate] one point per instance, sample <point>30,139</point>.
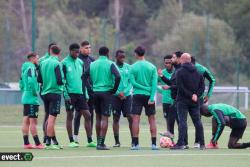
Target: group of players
<point>116,88</point>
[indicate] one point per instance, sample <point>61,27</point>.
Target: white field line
<point>136,155</point>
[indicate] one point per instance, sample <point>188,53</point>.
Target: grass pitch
<point>11,141</point>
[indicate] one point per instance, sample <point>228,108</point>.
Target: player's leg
<point>116,111</point>
<point>238,129</point>
<point>77,123</point>
<point>106,109</point>
<point>126,110</point>
<point>98,114</point>
<point>33,126</point>
<point>137,106</point>
<point>45,119</point>
<point>194,113</point>
<point>25,127</point>
<point>83,107</point>
<point>150,112</point>
<point>197,142</point>
<point>70,107</point>
<point>182,110</point>
<point>54,110</point>
<point>91,110</point>
<point>165,114</point>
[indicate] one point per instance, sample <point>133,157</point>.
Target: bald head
<point>185,58</point>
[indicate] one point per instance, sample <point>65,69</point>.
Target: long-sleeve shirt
<point>87,60</point>
<point>172,81</point>
<point>28,84</point>
<point>50,75</point>
<point>73,70</point>
<point>219,111</point>
<point>104,75</point>
<point>207,75</point>
<point>125,85</point>
<point>144,78</point>
<point>166,94</point>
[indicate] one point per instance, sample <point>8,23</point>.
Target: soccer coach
<point>190,86</point>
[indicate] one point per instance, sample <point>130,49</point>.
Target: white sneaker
<point>196,145</point>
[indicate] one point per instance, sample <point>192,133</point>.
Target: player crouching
<point>226,115</point>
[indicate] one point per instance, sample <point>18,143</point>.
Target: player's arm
<point>137,85</point>
<point>65,90</point>
<point>208,75</point>
<point>165,79</point>
<point>86,80</point>
<point>117,76</point>
<point>159,89</point>
<point>39,76</point>
<point>21,85</point>
<point>220,121</point>
<point>201,88</point>
<point>32,81</point>
<point>154,85</point>
<point>128,88</point>
<point>59,76</point>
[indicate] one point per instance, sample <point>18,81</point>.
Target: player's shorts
<point>52,103</point>
<point>121,106</point>
<point>103,103</point>
<point>140,101</point>
<point>30,110</point>
<point>166,109</point>
<point>238,127</point>
<point>78,102</point>
<point>91,103</point>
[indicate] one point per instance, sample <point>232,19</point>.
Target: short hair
<point>74,46</point>
<point>31,54</point>
<point>168,57</point>
<point>55,49</point>
<point>104,51</point>
<point>140,51</point>
<point>84,43</point>
<point>193,60</point>
<point>119,52</point>
<point>178,54</point>
<point>50,45</point>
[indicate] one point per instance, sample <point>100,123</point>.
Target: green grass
<point>11,141</point>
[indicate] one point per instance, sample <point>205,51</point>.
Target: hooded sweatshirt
<point>189,81</point>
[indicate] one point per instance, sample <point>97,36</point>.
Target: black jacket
<point>87,60</point>
<point>172,81</point>
<point>189,81</point>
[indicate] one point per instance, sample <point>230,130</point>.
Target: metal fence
<point>235,96</point>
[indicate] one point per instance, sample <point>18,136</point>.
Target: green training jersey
<point>101,74</point>
<point>166,94</point>
<point>29,84</point>
<point>227,110</point>
<point>51,76</point>
<point>73,71</point>
<point>144,78</point>
<point>125,85</point>
<point>208,75</point>
<point>25,66</point>
<point>45,57</point>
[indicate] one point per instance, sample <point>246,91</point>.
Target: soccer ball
<point>166,142</point>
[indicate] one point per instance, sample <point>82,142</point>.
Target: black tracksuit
<point>87,60</point>
<point>189,82</point>
<point>172,115</point>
